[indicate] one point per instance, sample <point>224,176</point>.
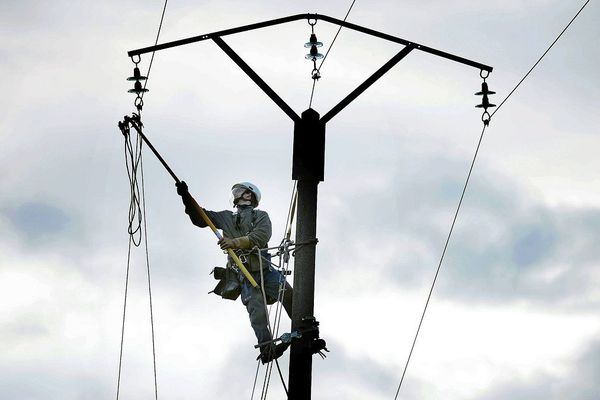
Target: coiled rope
<point>137,214</point>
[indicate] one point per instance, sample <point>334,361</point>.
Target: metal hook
<point>139,58</point>
<point>139,103</point>
<point>485,118</point>
<point>314,23</point>
<point>315,73</point>
<point>481,73</point>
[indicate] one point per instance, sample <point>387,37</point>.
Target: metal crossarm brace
<point>297,17</point>
<point>257,79</point>
<point>357,92</point>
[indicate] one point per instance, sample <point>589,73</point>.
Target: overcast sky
<point>515,310</point>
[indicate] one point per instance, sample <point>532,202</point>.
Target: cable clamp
<point>316,344</point>
<point>285,338</point>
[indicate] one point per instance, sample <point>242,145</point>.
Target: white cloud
<point>524,249</point>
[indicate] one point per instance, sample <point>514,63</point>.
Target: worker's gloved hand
<point>182,188</point>
<point>226,243</point>
<point>237,243</point>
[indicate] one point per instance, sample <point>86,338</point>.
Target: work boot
<point>272,352</point>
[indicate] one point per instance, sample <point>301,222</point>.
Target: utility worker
<point>246,231</point>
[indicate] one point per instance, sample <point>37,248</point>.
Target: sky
<point>514,313</point>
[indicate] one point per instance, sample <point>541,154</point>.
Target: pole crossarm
<point>308,16</point>
<point>365,85</point>
<point>257,79</point>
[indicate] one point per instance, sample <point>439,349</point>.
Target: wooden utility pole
<point>308,170</point>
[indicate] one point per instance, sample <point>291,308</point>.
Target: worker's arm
<point>242,242</point>
<point>192,208</point>
<point>261,233</point>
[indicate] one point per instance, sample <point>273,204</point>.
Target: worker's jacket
<point>245,221</point>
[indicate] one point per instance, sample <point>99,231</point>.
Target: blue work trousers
<point>253,299</point>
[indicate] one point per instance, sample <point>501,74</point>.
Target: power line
<point>541,57</point>
<point>463,194</point>
<point>312,92</point>
<point>441,260</point>
<point>335,37</point>
<point>162,17</point>
<point>133,209</point>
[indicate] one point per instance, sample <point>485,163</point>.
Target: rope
<point>124,312</point>
<point>137,211</point>
<point>281,376</point>
<point>149,283</point>
<point>265,387</point>
<point>282,267</point>
<point>255,379</point>
<point>133,153</point>
<point>291,212</point>
<point>312,92</point>
<point>462,197</point>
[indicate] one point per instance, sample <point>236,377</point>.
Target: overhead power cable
<point>136,159</point>
<point>312,92</point>
<point>541,57</point>
<point>463,195</point>
<point>162,18</point>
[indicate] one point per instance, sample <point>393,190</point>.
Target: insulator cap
<point>137,76</point>
<point>313,42</point>
<point>137,88</point>
<point>314,54</point>
<point>484,90</point>
<point>485,103</point>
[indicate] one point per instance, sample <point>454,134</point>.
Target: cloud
<point>37,222</point>
<point>395,165</point>
<point>507,246</point>
<point>580,381</point>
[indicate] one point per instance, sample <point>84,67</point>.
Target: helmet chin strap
<point>242,202</point>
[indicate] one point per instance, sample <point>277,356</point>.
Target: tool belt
<point>229,286</point>
<point>229,283</point>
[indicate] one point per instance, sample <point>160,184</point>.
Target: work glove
<point>237,243</point>
<point>182,188</point>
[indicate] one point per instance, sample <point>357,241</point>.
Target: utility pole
<point>308,170</point>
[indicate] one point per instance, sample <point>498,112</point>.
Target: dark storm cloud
<point>36,221</point>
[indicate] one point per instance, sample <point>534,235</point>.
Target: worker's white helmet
<point>240,188</point>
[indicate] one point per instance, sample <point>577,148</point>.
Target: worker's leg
<point>288,294</point>
<point>258,315</point>
<point>273,280</point>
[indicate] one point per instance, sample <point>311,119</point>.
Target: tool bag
<point>229,284</point>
